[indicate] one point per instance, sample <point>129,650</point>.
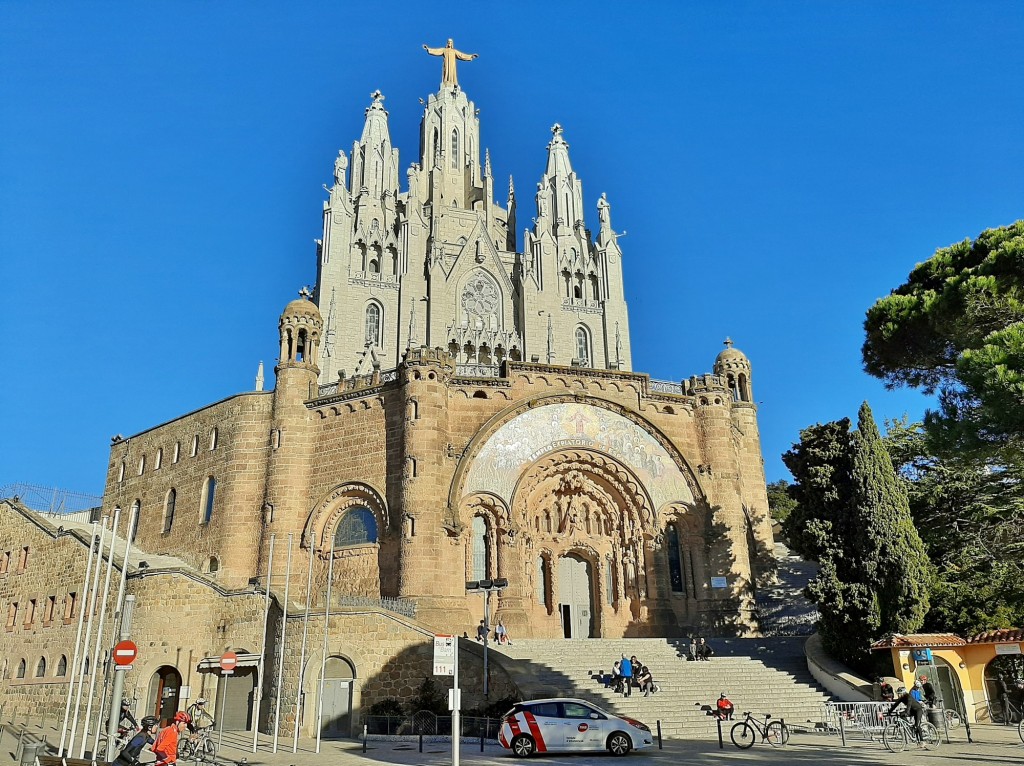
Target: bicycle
<point>745,733</point>
<point>899,733</point>
<point>953,719</point>
<point>198,746</point>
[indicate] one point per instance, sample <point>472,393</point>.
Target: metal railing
<point>427,723</point>
<point>397,605</point>
<point>52,500</point>
<point>866,717</point>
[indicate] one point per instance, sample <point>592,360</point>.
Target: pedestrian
<point>166,745</point>
<point>626,671</point>
<point>725,708</point>
<point>481,632</point>
<point>692,656</point>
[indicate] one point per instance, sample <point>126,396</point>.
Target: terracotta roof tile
<point>1007,635</point>
<point>918,640</point>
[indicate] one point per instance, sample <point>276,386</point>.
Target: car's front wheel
<point>619,743</point>
<point>523,746</point>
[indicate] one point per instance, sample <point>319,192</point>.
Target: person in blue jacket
<point>626,671</point>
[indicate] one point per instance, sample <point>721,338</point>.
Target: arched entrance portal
<point>575,596</point>
<point>337,713</point>
<point>164,689</point>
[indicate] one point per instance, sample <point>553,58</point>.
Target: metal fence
<point>425,722</point>
<point>868,718</point>
<point>396,605</point>
<point>52,500</point>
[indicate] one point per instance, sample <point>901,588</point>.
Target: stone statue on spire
<point>450,55</point>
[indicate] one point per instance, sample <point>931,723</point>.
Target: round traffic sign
<point>228,661</point>
<point>125,653</point>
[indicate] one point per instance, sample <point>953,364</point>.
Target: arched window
<point>455,150</point>
<point>169,503</point>
<point>142,465</point>
<point>195,445</point>
<point>41,668</point>
<point>22,668</point>
<point>62,667</point>
<point>594,291</point>
<point>159,459</point>
<point>85,666</point>
<point>374,266</point>
<point>481,549</point>
<point>120,472</point>
<point>213,439</point>
<point>177,452</point>
<point>136,512</point>
<point>675,564</point>
<point>582,346</point>
<point>357,527</point>
<point>373,324</point>
<point>213,565</point>
<point>209,490</point>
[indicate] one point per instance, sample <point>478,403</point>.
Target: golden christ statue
<point>450,55</point>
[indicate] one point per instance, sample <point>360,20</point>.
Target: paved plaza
<point>993,745</point>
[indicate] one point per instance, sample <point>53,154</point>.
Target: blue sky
<point>778,167</point>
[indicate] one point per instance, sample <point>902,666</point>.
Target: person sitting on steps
<point>501,634</point>
<point>724,708</point>
<point>703,651</point>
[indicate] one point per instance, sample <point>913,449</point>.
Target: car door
<point>545,724</point>
<point>584,727</point>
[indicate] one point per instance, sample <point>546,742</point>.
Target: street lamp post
<point>487,587</point>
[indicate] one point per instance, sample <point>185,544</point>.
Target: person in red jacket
<point>725,708</point>
<point>166,745</point>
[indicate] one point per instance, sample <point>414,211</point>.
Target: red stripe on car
<point>535,731</point>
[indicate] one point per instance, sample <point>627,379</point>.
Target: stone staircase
<point>762,675</point>
<point>782,608</point>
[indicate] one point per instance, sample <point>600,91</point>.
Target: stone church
<point>454,401</point>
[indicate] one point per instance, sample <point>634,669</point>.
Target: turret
<point>733,367</point>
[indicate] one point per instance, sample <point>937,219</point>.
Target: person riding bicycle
<point>201,718</point>
<point>129,755</point>
<point>166,746</point>
<point>914,708</point>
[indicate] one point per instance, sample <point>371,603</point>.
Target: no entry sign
<point>228,661</point>
<point>125,653</point>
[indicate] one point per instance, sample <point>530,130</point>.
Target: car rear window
<point>549,709</point>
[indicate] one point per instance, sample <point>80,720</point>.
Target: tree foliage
<point>852,516</point>
<point>956,327</point>
<point>780,504</point>
<point>971,518</point>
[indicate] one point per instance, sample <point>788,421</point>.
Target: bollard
<point>783,722</point>
<point>421,741</point>
<point>721,743</point>
<point>481,743</point>
<point>842,730</point>
<point>659,734</point>
<point>967,728</point>
<point>364,737</point>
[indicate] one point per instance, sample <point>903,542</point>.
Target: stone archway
<point>164,690</point>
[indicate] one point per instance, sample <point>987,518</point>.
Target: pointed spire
<point>558,153</point>
<point>376,120</point>
<point>487,163</point>
<point>259,377</point>
<point>511,190</point>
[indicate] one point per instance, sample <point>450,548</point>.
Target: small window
<point>85,665</point>
<point>159,461</point>
<point>30,613</point>
<point>51,608</point>
<point>213,439</point>
<point>62,667</point>
<point>675,563</point>
<point>213,566</point>
<point>374,266</point>
<point>12,614</point>
<point>169,504</point>
<point>134,518</point>
<point>357,527</point>
<point>195,445</point>
<point>5,562</point>
<point>22,667</point>
<point>120,473</point>
<point>70,602</point>
<point>209,491</point>
<point>23,563</point>
<point>455,150</point>
<point>582,346</point>
<point>142,465</point>
<point>176,455</point>
<point>41,668</point>
<point>372,334</point>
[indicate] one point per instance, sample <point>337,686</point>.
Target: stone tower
<point>438,264</point>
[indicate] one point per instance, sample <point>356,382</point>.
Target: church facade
<point>453,404</point>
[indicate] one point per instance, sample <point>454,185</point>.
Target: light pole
<point>487,587</point>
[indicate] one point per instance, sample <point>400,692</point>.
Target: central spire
<point>449,53</point>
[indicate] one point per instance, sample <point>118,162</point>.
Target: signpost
<point>228,662</point>
<point>446,663</point>
<point>124,654</point>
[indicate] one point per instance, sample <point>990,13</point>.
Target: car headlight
<point>638,724</point>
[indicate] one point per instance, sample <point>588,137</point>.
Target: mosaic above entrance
<point>536,432</point>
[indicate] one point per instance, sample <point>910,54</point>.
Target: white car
<point>564,724</point>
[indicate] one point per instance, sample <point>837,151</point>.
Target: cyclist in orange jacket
<point>166,745</point>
